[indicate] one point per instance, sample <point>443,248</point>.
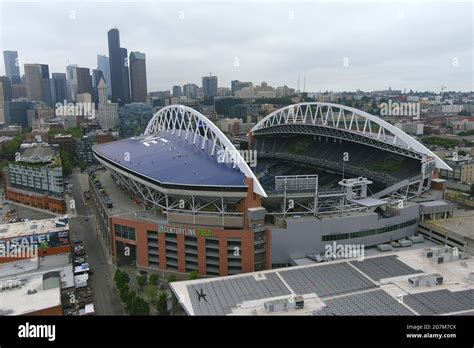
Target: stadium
<point>324,173</point>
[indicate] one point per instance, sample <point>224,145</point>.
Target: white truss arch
<point>347,119</point>
<point>191,124</point>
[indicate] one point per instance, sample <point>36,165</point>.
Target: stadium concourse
<point>325,173</point>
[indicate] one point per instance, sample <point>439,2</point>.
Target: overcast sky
<point>418,45</point>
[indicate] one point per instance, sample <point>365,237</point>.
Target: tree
<point>171,278</point>
<point>162,303</point>
<point>12,147</point>
<point>142,280</point>
<point>121,278</point>
<point>66,163</point>
<point>193,275</point>
<point>124,293</point>
<point>138,306</point>
<point>129,299</point>
<point>154,279</point>
<point>462,153</point>
<point>116,275</point>
<point>151,292</point>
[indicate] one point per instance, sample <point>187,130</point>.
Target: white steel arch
<point>345,118</point>
<point>185,121</point>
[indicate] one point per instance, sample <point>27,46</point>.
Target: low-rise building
<point>463,169</point>
<point>66,143</point>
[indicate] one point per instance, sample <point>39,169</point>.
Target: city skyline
<point>274,44</point>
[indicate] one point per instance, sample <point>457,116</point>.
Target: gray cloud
<point>402,45</point>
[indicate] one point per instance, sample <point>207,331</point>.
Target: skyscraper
<point>6,92</point>
<point>71,71</point>
<point>125,74</point>
<point>84,81</point>
<point>104,66</point>
<point>46,82</point>
<point>177,91</point>
<point>116,65</point>
<point>5,96</point>
<point>209,86</point>
<point>34,82</point>
<point>190,90</point>
<point>97,76</point>
<point>12,66</point>
<point>138,76</point>
<point>59,87</point>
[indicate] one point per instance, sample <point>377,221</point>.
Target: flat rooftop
<point>376,285</point>
<point>167,158</point>
<point>17,301</point>
<point>19,229</point>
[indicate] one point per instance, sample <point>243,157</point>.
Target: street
<point>106,299</point>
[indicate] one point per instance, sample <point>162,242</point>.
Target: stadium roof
<point>311,114</point>
<point>167,158</point>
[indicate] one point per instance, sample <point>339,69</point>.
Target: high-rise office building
<point>138,76</point>
<point>71,71</point>
<point>12,66</point>
<point>104,66</point>
<point>177,91</point>
<point>209,86</point>
<point>5,96</point>
<point>19,91</point>
<point>84,81</point>
<point>190,91</point>
<point>16,112</point>
<point>6,89</point>
<point>46,82</point>
<point>126,76</point>
<point>97,76</point>
<point>116,66</point>
<point>34,82</point>
<point>59,87</point>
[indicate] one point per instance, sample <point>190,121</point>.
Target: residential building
<point>36,178</point>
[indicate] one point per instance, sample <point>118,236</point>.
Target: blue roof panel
<point>170,159</point>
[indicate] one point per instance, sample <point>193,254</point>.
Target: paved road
<point>106,300</point>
